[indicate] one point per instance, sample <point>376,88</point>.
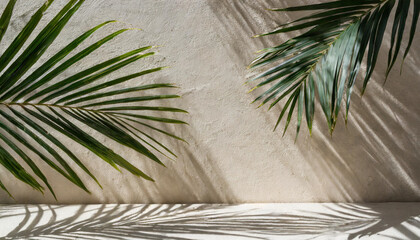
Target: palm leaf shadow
<point>183,221</point>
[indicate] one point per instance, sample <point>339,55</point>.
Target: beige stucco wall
<point>233,155</point>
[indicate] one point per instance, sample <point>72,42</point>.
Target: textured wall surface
<point>233,155</point>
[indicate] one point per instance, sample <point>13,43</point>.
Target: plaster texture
<point>233,155</point>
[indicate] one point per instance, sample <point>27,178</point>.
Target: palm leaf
<point>326,57</point>
<point>32,102</point>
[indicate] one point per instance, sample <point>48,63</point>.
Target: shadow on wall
<point>197,221</point>
<point>201,180</point>
<point>381,137</point>
<point>241,20</point>
<point>192,178</point>
<point>374,157</point>
<point>184,180</point>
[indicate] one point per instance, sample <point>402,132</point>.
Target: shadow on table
<point>181,221</point>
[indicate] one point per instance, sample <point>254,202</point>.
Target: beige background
<point>233,155</point>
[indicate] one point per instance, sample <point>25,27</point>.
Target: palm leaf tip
<point>37,102</point>
<point>327,56</point>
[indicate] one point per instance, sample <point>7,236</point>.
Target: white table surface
<point>212,221</point>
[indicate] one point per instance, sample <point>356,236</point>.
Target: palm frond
<point>326,58</point>
<point>33,102</point>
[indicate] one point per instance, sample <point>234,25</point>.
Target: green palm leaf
<point>326,58</point>
<point>28,104</point>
